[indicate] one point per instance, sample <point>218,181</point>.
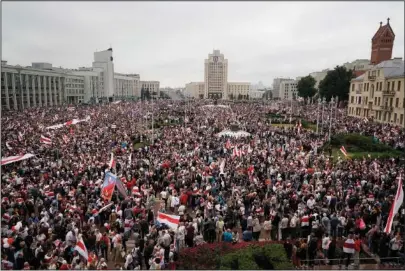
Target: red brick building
<point>382,44</point>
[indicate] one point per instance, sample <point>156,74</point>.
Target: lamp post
<point>317,116</point>
<point>331,115</point>
<point>323,107</point>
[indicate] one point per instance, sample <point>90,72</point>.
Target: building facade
<point>152,87</point>
<point>238,91</point>
<point>276,87</point>
<point>103,61</point>
<point>382,44</point>
<point>195,90</point>
<point>127,85</point>
<point>216,76</point>
<point>379,93</point>
<point>256,94</point>
<point>25,87</point>
<point>288,90</point>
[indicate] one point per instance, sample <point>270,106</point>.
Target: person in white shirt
<point>181,210</point>
<point>325,246</point>
<point>116,253</point>
<point>311,202</point>
<point>181,235</point>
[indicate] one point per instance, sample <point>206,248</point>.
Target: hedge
<point>228,256</point>
<point>358,143</point>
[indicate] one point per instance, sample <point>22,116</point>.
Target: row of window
<point>381,116</point>
<point>390,86</point>
<point>377,101</point>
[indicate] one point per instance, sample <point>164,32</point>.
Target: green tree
<point>306,87</point>
<point>336,83</point>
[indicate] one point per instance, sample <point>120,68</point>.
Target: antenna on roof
<point>388,20</point>
<point>380,24</point>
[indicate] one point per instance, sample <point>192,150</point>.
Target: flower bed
<point>243,255</point>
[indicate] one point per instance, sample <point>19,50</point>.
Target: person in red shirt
<point>184,199</point>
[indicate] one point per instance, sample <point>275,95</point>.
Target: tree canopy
<point>336,83</point>
<point>306,87</point>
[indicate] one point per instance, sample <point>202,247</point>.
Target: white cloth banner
<point>12,159</point>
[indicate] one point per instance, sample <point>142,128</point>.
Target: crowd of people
<point>275,184</point>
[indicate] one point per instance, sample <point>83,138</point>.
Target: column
<point>21,91</point>
<point>55,97</point>
<point>50,90</point>
<point>6,88</point>
<point>64,90</point>
<point>28,90</point>
<point>39,90</point>
<point>14,93</point>
<point>34,96</point>
<point>45,92</point>
<point>60,90</point>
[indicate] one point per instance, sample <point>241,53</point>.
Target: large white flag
<point>399,199</point>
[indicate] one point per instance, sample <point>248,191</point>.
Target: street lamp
<point>323,106</point>
<point>317,117</point>
<point>331,115</point>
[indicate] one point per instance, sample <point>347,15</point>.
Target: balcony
<point>371,77</point>
<point>358,91</point>
<point>387,108</point>
<point>388,92</point>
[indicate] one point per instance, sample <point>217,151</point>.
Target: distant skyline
<point>168,41</point>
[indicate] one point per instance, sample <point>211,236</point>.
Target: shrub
<point>358,143</point>
<point>226,256</point>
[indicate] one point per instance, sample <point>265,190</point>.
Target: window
<point>399,86</point>
<point>352,99</point>
<point>393,86</point>
<point>378,73</point>
<point>352,87</point>
<point>388,86</point>
<point>396,102</point>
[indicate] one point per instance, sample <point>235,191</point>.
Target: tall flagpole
<point>323,106</point>
<point>331,115</point>
<point>153,132</point>
<point>317,117</point>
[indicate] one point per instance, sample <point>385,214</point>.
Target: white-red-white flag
<point>398,200</point>
<point>170,220</point>
<point>46,140</point>
<point>12,159</point>
<point>81,248</point>
<point>343,150</point>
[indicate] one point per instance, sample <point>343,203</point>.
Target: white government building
<point>43,85</point>
<point>216,85</point>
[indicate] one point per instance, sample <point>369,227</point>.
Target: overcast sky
<point>168,41</point>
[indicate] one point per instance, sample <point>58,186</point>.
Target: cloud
<point>168,41</point>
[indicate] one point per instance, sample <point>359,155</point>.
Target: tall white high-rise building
<point>216,76</point>
<point>104,60</point>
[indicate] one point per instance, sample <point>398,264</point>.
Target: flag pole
<point>317,117</point>
<point>331,115</point>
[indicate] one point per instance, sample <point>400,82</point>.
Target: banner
<point>107,190</point>
<point>12,159</point>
